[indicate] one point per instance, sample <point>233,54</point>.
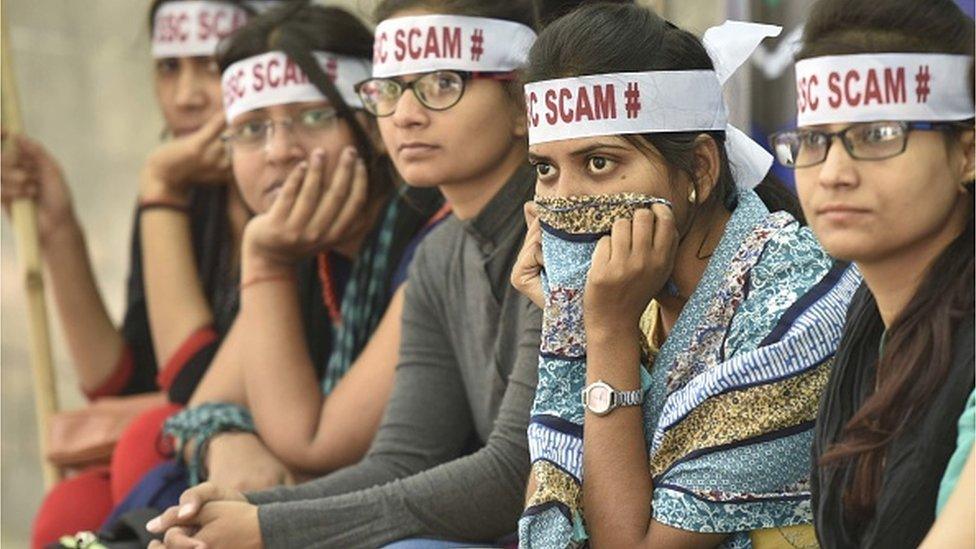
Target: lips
<point>416,148</point>
<point>838,208</point>
<point>275,186</point>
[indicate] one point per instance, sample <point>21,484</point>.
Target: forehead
<point>283,109</point>
<point>567,147</point>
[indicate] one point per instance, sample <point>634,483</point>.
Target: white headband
<point>192,29</point>
<point>274,79</point>
<point>656,102</point>
<point>424,43</point>
<point>883,86</point>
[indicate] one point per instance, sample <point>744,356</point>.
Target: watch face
<point>598,399</point>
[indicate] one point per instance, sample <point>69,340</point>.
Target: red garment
<point>83,502</point>
<point>119,378</point>
<point>79,503</point>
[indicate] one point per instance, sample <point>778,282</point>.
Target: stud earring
<point>693,196</point>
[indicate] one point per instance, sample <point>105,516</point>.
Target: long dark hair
<point>298,29</point>
<point>918,346</point>
<point>622,37</point>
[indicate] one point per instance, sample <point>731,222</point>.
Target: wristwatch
<point>601,399</point>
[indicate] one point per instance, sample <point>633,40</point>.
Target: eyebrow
<point>534,158</point>
<point>596,147</point>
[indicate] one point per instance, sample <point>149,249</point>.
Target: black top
<point>915,461</point>
<point>211,241</point>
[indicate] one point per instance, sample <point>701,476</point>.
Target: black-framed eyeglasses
<point>802,147</point>
<point>437,90</point>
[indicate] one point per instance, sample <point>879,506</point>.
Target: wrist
<point>154,186</point>
<point>608,331</point>
<point>66,234</point>
<point>255,264</point>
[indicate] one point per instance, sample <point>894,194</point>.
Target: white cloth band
<point>192,28</point>
<point>656,101</point>
<point>274,79</point>
<point>425,43</point>
<point>883,86</point>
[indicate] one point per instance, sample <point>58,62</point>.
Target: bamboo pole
<point>24,215</point>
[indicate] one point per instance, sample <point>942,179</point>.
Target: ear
<point>709,166</point>
<point>368,123</point>
<point>967,140</point>
<point>520,130</point>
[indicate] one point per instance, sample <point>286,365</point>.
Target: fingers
<point>353,205</point>
<point>339,188</point>
<point>164,521</point>
<point>642,232</point>
<point>18,183</point>
<point>211,130</point>
<point>289,192</point>
<point>531,211</point>
<point>310,192</point>
<point>665,232</point>
<point>529,264</point>
<point>601,255</point>
<point>620,241</point>
<point>198,495</point>
<point>180,538</point>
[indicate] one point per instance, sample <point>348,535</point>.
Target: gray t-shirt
<point>465,379</point>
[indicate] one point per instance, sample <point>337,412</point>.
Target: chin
<point>421,176</point>
<point>846,247</point>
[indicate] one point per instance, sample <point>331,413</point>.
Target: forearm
<point>617,488</point>
<point>475,498</point>
<point>224,380</point>
<point>175,300</point>
<point>280,382</point>
<point>94,341</point>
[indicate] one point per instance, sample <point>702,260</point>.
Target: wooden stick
<point>24,214</point>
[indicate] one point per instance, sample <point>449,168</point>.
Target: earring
<point>693,196</point>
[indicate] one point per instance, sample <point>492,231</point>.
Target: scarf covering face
<point>571,227</point>
<point>730,399</point>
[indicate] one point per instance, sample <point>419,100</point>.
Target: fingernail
<point>153,525</point>
<point>185,510</point>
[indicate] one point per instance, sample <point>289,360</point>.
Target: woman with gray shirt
<point>450,459</point>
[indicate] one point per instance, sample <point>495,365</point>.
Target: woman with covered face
<point>691,426</point>
<point>884,169</point>
<point>450,458</point>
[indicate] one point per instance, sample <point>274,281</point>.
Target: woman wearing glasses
<point>450,458</point>
<point>884,170</point>
<point>321,262</point>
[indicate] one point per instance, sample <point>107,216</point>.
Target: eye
<point>812,139</point>
<point>167,66</point>
<point>879,133</point>
<point>599,164</point>
<point>544,171</point>
<point>251,130</point>
<point>317,118</point>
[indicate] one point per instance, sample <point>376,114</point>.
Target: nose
<point>283,147</point>
<point>567,184</point>
<point>190,93</point>
<point>838,169</point>
<point>409,111</point>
